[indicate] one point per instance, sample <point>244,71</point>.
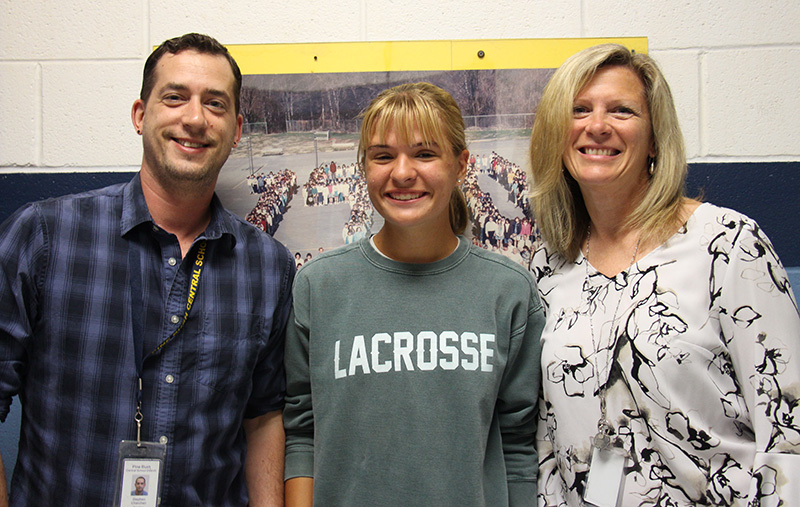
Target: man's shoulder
<point>70,205</point>
<point>255,238</point>
<point>114,191</point>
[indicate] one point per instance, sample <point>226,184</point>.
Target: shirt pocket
<point>229,348</point>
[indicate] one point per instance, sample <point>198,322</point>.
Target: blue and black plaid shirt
<point>67,348</point>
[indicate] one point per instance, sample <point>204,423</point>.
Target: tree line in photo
<point>334,101</point>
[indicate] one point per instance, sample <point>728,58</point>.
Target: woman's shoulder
<point>708,211</point>
<point>546,258</point>
<point>497,269</point>
<point>496,260</point>
<point>710,219</point>
<point>331,261</point>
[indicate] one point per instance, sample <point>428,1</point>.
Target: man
<point>149,301</point>
<point>138,486</point>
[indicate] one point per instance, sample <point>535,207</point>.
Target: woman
<point>671,330</point>
<point>412,357</point>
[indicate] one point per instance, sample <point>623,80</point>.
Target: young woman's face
<point>410,184</point>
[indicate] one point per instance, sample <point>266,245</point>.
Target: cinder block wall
<point>69,71</point>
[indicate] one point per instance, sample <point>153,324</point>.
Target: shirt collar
<point>135,213</point>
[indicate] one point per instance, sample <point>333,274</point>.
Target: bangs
<point>409,117</point>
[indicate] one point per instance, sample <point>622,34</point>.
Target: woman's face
<point>611,137</point>
<point>410,184</point>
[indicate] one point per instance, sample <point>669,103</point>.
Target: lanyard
<point>138,308</point>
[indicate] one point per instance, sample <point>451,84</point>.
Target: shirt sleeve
<point>22,263</point>
<point>298,416</point>
<point>516,405</point>
<point>269,379</point>
<point>761,326</point>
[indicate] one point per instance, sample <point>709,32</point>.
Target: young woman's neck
<point>404,245</point>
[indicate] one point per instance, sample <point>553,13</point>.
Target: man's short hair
<point>197,42</point>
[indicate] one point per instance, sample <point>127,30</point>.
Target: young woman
<point>412,356</point>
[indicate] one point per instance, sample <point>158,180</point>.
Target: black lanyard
<point>137,313</point>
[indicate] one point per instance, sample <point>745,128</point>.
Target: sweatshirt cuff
<point>521,493</point>
<point>298,464</point>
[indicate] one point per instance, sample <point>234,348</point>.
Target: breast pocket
<point>229,348</point>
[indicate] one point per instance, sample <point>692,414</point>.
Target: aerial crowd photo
<point>295,173</point>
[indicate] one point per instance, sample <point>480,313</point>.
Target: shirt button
<point>170,379</point>
<point>172,261</point>
<point>163,440</point>
<point>174,319</point>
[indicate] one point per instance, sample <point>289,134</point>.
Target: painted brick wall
<point>70,71</point>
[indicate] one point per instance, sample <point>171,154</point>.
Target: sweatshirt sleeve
<point>517,404</point>
<point>298,416</point>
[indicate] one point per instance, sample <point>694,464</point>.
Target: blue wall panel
<point>767,192</point>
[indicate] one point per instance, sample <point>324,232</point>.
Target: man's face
<point>139,485</point>
<point>189,123</point>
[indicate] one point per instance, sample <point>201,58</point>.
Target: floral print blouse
<point>701,369</point>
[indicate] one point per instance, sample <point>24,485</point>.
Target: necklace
<point>602,439</point>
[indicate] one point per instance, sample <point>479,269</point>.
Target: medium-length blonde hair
<point>556,199</point>
<point>423,108</point>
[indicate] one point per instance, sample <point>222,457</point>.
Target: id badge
<point>139,472</point>
<point>605,483</point>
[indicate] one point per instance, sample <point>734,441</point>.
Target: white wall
<point>69,71</point>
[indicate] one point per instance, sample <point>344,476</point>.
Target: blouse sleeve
<point>761,326</point>
<point>550,482</point>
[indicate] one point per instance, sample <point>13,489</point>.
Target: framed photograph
<point>295,172</point>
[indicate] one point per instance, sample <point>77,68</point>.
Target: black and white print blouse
<point>701,369</point>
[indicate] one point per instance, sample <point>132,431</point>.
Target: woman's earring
<point>652,166</point>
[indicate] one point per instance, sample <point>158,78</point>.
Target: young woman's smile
<point>410,183</point>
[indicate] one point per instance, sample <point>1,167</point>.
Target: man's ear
<point>238,136</point>
<point>137,115</point>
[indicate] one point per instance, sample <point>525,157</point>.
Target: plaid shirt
<point>67,348</point>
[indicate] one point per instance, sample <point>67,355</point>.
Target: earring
<point>139,131</point>
<point>652,166</point>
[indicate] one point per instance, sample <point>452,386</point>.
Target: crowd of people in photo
<point>300,259</point>
<point>510,176</point>
<point>333,183</point>
<point>330,184</point>
<point>360,222</point>
<point>275,191</point>
<point>514,237</point>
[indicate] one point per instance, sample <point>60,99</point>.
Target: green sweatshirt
<point>413,384</point>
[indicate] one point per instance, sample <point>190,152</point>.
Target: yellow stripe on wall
<point>396,56</point>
